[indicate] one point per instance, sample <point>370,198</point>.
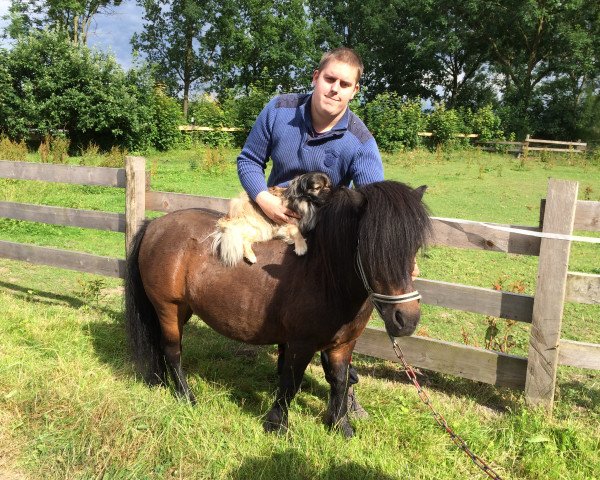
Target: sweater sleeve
<point>367,166</point>
<point>252,161</point>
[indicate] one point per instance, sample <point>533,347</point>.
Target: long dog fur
<point>245,223</point>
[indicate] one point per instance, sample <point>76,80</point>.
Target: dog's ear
<point>419,192</point>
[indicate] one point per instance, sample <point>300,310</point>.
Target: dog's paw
<point>301,248</point>
<point>250,258</point>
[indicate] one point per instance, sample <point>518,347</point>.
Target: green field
<point>72,407</point>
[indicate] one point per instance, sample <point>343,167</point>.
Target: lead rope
<point>459,442</point>
<point>376,299</point>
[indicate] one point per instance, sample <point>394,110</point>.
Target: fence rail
<point>522,148</point>
<point>540,310</point>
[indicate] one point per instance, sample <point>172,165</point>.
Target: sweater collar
<point>339,127</point>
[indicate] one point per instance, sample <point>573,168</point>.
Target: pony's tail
<point>142,325</point>
<point>228,245</point>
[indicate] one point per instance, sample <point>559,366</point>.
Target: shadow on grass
<point>500,399</point>
<point>292,465</point>
<point>39,296</point>
<point>42,297</point>
<point>246,372</point>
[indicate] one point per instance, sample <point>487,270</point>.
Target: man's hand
<point>274,209</point>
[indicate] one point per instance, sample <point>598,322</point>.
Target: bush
<point>167,116</point>
<point>207,112</point>
<point>241,110</point>
<point>48,84</point>
<point>485,123</point>
<point>9,150</point>
<point>394,122</point>
<point>444,124</point>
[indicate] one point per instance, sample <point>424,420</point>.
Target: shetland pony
<point>317,302</point>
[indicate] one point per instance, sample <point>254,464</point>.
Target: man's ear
<point>315,77</point>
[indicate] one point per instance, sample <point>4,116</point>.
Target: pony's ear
<point>419,191</point>
<point>356,198</point>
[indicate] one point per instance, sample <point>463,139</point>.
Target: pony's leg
<point>172,319</point>
<point>336,374</point>
<point>295,361</point>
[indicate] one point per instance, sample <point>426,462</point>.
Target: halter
<point>378,298</point>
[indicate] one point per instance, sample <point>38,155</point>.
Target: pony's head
<point>381,225</point>
<point>394,225</point>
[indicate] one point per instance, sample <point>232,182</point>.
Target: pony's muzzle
<point>401,320</point>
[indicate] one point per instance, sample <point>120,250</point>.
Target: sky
<point>108,33</point>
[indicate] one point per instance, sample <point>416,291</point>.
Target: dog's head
<point>313,187</point>
<point>305,194</point>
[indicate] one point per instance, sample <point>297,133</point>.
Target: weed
<point>54,149</point>
<point>9,150</point>
<point>90,155</point>
<point>91,291</point>
<point>587,192</point>
<point>115,158</point>
<point>466,336</point>
<point>214,161</point>
<point>495,339</point>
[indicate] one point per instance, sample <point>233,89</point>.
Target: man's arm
<point>252,161</point>
<point>367,166</point>
<point>251,164</point>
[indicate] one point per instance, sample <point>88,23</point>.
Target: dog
<point>245,223</point>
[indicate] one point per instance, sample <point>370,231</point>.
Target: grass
<point>72,407</point>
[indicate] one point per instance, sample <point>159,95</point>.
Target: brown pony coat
<point>310,303</point>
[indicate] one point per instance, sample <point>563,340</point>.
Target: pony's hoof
<point>277,428</point>
<point>188,397</point>
<point>343,426</point>
<point>275,423</point>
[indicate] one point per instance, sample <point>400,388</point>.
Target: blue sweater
<point>283,132</point>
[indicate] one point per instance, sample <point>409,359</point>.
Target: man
<point>312,132</point>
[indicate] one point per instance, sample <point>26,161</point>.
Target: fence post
<point>135,197</point>
<point>525,147</point>
<point>542,361</point>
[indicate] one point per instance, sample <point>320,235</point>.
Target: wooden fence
<point>535,374</point>
<point>533,145</point>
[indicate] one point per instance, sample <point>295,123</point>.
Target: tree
<point>173,40</point>
<point>390,36</point>
<point>261,43</point>
<point>49,84</point>
<point>73,17</point>
<point>461,65</point>
<point>531,42</point>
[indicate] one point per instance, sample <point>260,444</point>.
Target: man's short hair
<point>344,55</point>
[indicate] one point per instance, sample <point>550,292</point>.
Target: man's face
<point>334,87</point>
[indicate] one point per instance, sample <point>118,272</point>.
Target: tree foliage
<point>51,85</point>
<point>73,17</point>
<point>535,64</point>
<point>173,39</point>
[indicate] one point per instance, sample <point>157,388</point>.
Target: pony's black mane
<point>386,220</point>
